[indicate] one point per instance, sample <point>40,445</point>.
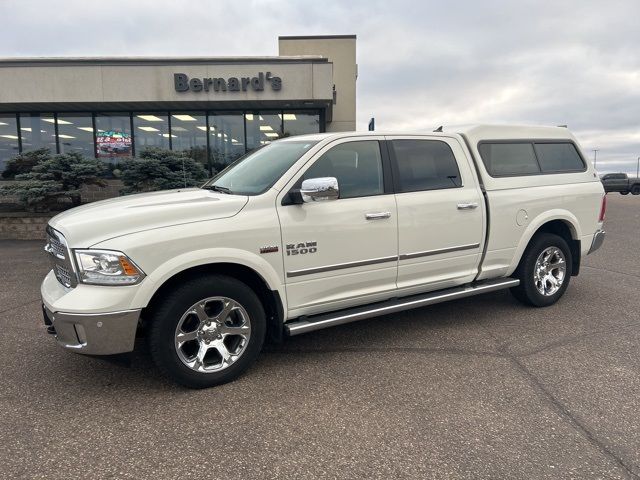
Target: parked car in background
<point>621,182</point>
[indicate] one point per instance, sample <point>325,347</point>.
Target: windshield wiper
<point>218,188</point>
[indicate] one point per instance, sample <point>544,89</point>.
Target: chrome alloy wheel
<point>549,271</point>
<point>212,334</point>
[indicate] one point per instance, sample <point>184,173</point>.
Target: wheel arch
<point>563,224</point>
<point>268,294</point>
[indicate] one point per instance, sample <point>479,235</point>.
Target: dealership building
<point>214,108</point>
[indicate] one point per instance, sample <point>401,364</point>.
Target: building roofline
<point>316,37</point>
<point>62,61</point>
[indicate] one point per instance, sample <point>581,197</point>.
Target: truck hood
<point>99,221</point>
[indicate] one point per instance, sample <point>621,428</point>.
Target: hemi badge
<point>270,249</point>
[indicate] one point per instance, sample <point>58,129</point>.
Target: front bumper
<point>93,333</point>
<point>598,240</point>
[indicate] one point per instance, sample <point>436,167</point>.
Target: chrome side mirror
<point>318,189</point>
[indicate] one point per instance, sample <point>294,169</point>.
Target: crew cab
<point>320,230</point>
<point>621,182</point>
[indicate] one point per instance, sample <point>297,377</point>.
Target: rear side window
<point>530,158</point>
<point>559,157</point>
<point>425,165</point>
<point>502,159</point>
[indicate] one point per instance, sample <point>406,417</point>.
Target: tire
<point>635,190</point>
<point>624,193</point>
<point>533,279</point>
<point>215,314</point>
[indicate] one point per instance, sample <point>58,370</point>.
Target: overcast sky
<point>421,63</point>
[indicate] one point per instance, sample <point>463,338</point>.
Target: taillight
<point>603,208</point>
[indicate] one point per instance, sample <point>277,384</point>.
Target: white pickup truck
<point>320,230</point>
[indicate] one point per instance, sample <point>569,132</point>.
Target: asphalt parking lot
<point>477,388</point>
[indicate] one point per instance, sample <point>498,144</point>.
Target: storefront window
<point>9,146</point>
<point>38,131</point>
<point>150,130</point>
<point>300,123</point>
<point>113,135</point>
<point>263,128</point>
<point>226,139</point>
<point>75,133</point>
<point>189,134</point>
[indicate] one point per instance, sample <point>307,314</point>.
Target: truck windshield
<point>257,171</point>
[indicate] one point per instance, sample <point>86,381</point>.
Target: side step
<point>317,322</point>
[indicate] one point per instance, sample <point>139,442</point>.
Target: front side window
<point>256,172</point>
<point>425,165</point>
<point>356,165</point>
<point>559,157</point>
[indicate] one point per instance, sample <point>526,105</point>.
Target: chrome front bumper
<point>93,333</point>
<point>598,239</point>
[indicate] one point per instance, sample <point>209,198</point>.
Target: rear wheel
<point>635,189</point>
<point>208,331</point>
<point>624,193</point>
<point>544,271</point>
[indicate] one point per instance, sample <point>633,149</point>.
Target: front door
<point>343,252</point>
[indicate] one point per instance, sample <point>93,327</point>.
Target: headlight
<point>107,267</point>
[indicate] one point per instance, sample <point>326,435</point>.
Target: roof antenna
<point>563,126</point>
<point>439,129</point>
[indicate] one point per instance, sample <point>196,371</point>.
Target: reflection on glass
<point>262,128</point>
<point>189,134</point>
<point>150,130</point>
<point>8,139</point>
<point>113,135</point>
<point>300,123</point>
<point>226,139</point>
<point>38,131</point>
<point>75,133</point>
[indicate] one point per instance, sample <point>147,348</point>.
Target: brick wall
<point>23,226</point>
<point>92,193</point>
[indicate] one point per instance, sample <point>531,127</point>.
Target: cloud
<point>421,63</point>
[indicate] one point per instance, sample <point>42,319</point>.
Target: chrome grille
<point>61,257</point>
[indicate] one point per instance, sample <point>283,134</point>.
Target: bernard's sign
<point>183,83</point>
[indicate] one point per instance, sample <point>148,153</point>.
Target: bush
<point>158,169</point>
<point>54,179</point>
<point>23,163</point>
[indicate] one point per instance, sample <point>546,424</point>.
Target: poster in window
<point>113,143</point>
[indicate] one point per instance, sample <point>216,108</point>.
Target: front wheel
<point>208,331</point>
<point>544,271</point>
<point>624,193</point>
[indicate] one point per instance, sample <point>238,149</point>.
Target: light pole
<point>638,169</point>
<point>595,156</point>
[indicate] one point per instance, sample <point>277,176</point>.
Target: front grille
<point>61,257</point>
<point>63,275</point>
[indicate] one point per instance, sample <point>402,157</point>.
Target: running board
<point>317,322</point>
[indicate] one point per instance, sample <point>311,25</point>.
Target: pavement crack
<point>19,306</point>
<point>571,419</point>
<point>612,271</point>
<point>574,338</point>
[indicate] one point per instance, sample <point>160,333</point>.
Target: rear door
<point>341,253</point>
<point>440,212</point>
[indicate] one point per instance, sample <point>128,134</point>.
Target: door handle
<point>467,206</point>
<point>377,215</point>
